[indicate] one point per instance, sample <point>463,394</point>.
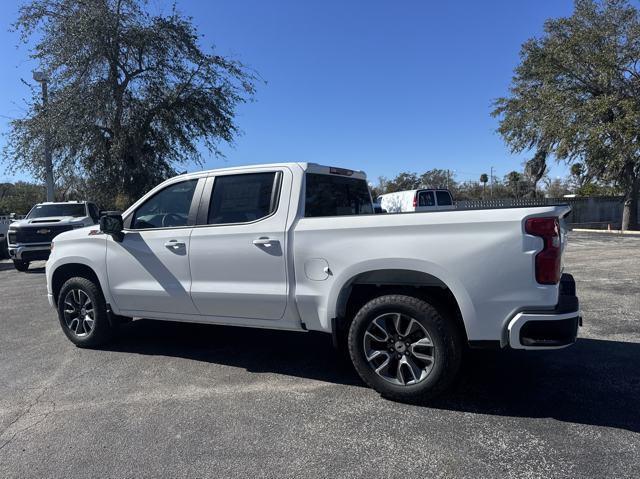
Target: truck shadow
<point>36,270</point>
<point>306,355</point>
<point>595,382</point>
<point>6,266</point>
<point>36,267</point>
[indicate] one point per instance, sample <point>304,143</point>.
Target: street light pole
<point>491,181</point>
<point>41,78</point>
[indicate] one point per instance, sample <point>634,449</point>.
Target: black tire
<point>446,349</point>
<point>21,265</point>
<point>101,328</point>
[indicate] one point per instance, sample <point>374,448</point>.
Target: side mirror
<point>111,223</point>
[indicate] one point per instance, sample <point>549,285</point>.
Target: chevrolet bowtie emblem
<point>43,231</point>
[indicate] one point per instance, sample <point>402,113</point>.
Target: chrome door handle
<point>264,241</point>
<point>174,244</point>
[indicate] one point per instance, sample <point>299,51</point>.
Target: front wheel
<point>404,348</point>
<point>82,312</point>
<point>21,265</point>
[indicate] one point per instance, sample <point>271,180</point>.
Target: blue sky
<point>376,85</point>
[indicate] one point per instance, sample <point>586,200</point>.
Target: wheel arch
<point>69,270</point>
<point>425,281</point>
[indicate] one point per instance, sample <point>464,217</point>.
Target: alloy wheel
<point>399,349</point>
<point>78,312</point>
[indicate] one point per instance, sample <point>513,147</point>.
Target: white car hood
<point>52,221</point>
<point>77,233</point>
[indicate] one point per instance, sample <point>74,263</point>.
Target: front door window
<point>169,208</point>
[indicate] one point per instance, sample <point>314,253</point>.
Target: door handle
<point>174,244</point>
<point>264,241</point>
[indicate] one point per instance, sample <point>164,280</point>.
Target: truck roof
<point>74,202</point>
<point>415,191</point>
<point>305,166</point>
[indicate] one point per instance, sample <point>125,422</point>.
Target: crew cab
<point>30,239</point>
<point>297,247</point>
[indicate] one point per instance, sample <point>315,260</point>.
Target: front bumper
<point>548,329</point>
<point>30,252</point>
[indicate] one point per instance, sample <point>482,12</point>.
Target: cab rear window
<point>332,195</point>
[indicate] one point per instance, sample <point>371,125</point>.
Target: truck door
<point>149,269</point>
<point>237,251</point>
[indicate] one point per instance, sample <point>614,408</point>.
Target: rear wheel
<point>83,315</point>
<point>21,265</point>
<point>404,348</point>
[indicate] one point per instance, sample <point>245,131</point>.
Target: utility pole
<point>449,176</point>
<point>491,180</point>
<point>41,78</point>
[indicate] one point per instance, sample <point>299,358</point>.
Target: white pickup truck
<point>297,246</point>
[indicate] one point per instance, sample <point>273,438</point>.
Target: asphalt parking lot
<point>182,400</point>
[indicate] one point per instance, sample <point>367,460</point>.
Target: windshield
<point>328,195</point>
<point>63,209</point>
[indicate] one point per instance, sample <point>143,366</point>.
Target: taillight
<point>547,260</point>
<point>415,200</point>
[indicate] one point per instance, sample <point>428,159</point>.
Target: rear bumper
<point>30,253</point>
<point>553,329</point>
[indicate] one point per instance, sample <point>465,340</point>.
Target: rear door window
<point>444,198</point>
<point>331,195</point>
<point>425,198</point>
<point>243,198</point>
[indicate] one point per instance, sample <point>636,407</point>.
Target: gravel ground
<point>180,400</point>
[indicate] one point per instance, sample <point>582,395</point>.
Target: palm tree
<point>484,178</point>
<point>579,174</point>
<point>513,178</point>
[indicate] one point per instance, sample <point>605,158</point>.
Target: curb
<point>617,232</point>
